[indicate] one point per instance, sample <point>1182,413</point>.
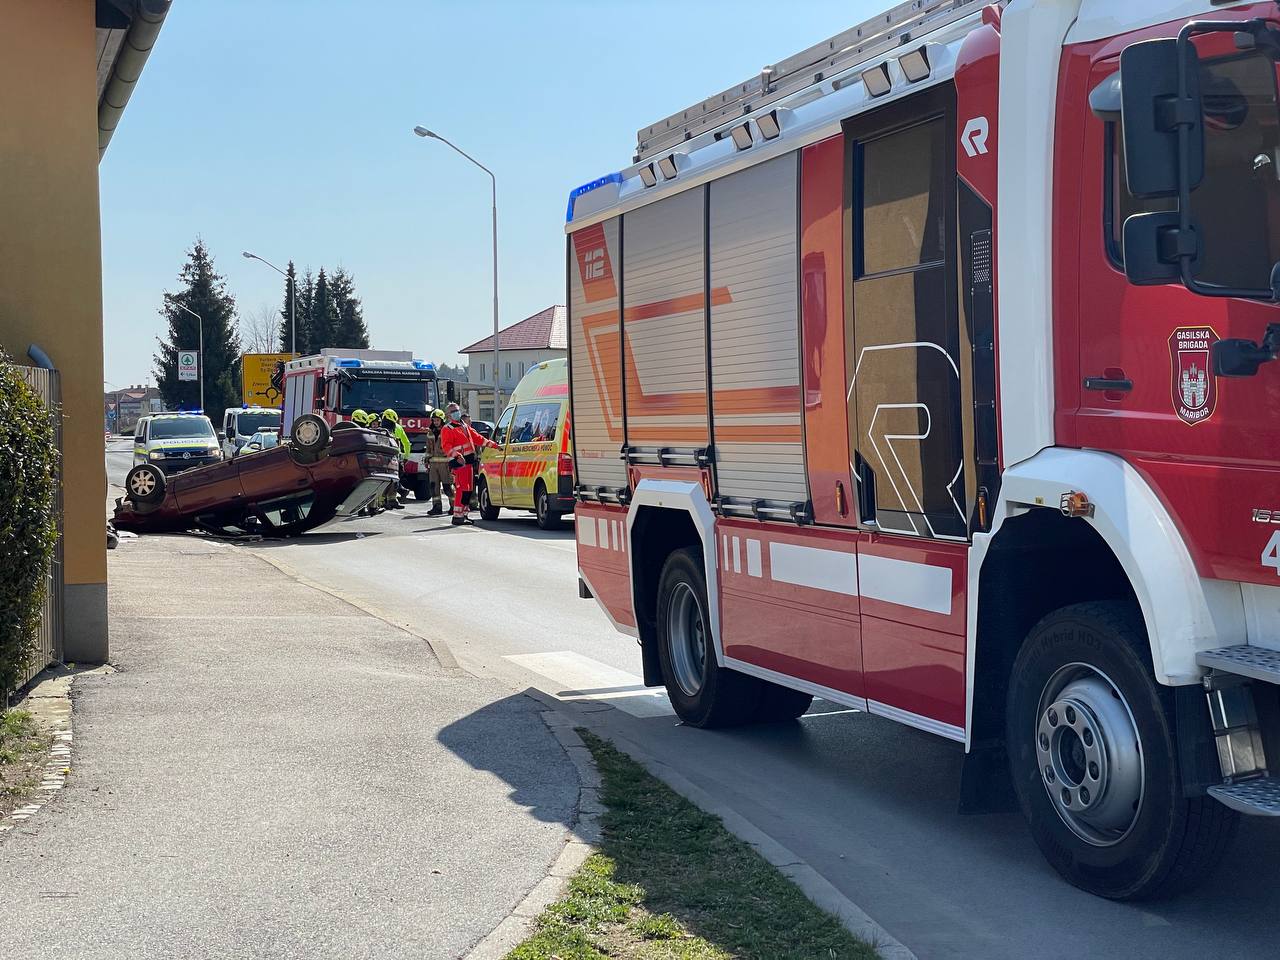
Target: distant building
<point>543,336</point>
<point>122,408</point>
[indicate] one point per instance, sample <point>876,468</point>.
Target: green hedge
<point>28,518</point>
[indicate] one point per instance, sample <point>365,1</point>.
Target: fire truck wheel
<point>779,704</point>
<point>487,510</point>
<point>703,693</point>
<point>1092,752</point>
<point>145,484</point>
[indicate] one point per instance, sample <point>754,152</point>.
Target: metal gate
<point>48,642</point>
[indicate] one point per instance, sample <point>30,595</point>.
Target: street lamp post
<point>493,181</point>
<point>199,352</point>
<point>293,298</point>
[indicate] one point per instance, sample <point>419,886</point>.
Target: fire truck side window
<point>1237,205</point>
<point>906,389</point>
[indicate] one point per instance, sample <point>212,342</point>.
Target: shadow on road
<point>529,761</point>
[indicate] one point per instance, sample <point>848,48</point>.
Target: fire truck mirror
<point>1151,113</point>
<point>1150,244</point>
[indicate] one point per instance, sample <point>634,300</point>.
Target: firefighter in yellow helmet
<point>391,424</point>
<point>439,476</point>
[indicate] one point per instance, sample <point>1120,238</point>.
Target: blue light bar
<point>587,188</point>
<point>350,362</point>
<point>423,365</point>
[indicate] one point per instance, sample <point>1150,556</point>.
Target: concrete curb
<point>583,838</point>
<point>50,704</point>
<point>440,649</point>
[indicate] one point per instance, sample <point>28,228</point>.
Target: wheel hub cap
<point>143,484</point>
<point>687,639</point>
<point>307,432</point>
<point>1090,755</point>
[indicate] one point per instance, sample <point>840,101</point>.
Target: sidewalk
<point>271,772</point>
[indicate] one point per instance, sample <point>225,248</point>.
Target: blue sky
<point>285,127</point>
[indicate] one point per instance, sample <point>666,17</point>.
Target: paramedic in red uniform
<point>461,443</point>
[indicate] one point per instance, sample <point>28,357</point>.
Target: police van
<point>175,441</point>
<point>241,423</point>
<point>532,469</point>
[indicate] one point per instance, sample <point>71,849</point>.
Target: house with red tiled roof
<point>543,336</point>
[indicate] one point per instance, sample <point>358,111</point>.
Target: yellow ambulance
<point>533,467</point>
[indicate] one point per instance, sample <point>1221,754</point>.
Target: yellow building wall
<point>51,266</point>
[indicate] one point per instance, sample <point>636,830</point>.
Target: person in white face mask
<point>461,444</point>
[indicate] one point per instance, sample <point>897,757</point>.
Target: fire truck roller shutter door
<point>755,335</point>
<point>664,322</point>
<point>595,345</point>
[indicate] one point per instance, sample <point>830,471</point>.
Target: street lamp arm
<point>253,256</point>
<point>459,150</point>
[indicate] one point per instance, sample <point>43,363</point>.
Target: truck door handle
<point>1120,384</point>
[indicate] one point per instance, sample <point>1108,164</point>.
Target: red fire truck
<point>929,373</point>
<point>335,382</point>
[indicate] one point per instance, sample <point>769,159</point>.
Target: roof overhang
<point>126,32</point>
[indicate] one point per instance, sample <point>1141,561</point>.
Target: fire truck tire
<point>487,510</point>
<point>703,693</point>
<point>1092,749</point>
<point>779,704</point>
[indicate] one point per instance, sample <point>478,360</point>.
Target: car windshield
<point>266,439</point>
<point>248,424</point>
<point>403,396</point>
<point>182,428</point>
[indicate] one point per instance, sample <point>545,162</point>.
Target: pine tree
<point>323,319</point>
<point>351,333</point>
<point>204,292</point>
<point>306,299</point>
<point>291,286</point>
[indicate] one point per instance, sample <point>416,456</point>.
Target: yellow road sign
<point>257,370</point>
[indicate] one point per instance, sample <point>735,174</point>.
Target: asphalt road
<point>868,803</point>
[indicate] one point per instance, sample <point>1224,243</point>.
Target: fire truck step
<point>1256,663</point>
<point>1259,797</point>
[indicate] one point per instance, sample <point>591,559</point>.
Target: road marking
<point>584,678</point>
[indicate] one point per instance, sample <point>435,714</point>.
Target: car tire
<point>1092,751</point>
<point>548,519</point>
<point>309,436</point>
<point>145,484</point>
<point>779,704</point>
<point>487,510</point>
<point>703,693</point>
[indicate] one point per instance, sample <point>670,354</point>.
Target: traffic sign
<point>188,364</point>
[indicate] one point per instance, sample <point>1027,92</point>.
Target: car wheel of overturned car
<point>145,484</point>
<point>309,438</point>
<point>1092,748</point>
<point>548,519</point>
<point>703,693</point>
<point>487,510</point>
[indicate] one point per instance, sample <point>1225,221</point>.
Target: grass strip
<point>671,883</point>
<point>23,745</point>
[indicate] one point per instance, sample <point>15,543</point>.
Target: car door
<point>493,463</point>
<point>528,447</point>
<point>140,443</point>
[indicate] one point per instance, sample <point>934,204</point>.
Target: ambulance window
<point>500,431</point>
<point>535,422</point>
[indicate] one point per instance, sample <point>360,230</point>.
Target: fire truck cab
<point>930,372</point>
<point>335,382</point>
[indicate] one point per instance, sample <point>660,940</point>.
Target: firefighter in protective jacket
<point>461,444</point>
<point>439,476</point>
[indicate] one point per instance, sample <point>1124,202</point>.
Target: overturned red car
<point>313,477</point>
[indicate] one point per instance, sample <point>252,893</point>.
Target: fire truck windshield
<point>403,396</point>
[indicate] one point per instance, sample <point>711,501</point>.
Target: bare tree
<point>260,329</point>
